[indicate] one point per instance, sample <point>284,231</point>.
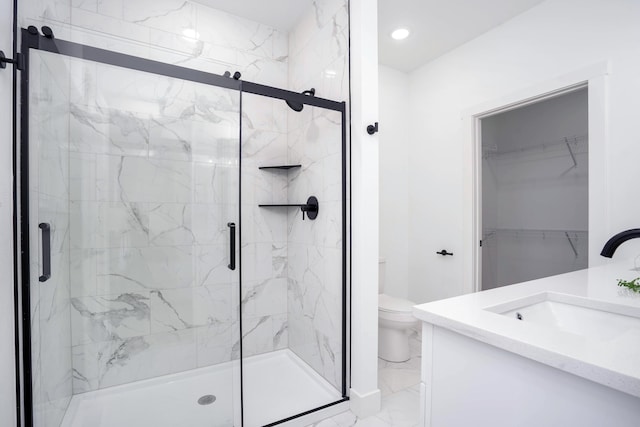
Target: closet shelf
<point>571,143</point>
<point>533,232</point>
<point>570,235</point>
<point>279,167</point>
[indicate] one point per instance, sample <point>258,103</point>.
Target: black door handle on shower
<point>232,245</point>
<point>444,253</point>
<point>46,251</point>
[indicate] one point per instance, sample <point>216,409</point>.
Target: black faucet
<point>613,243</point>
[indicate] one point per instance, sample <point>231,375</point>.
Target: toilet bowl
<point>394,324</point>
<point>395,321</point>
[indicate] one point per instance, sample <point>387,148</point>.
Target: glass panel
<point>292,325</point>
<point>49,199</point>
<point>145,185</point>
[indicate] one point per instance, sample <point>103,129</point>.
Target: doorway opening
<point>533,189</point>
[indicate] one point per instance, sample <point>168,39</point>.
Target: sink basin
<point>581,316</point>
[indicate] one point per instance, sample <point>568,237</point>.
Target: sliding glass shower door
<point>133,197</point>
<point>166,285</point>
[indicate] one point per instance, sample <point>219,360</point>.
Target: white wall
<point>7,358</point>
<point>365,395</point>
<point>556,38</point>
<point>394,175</point>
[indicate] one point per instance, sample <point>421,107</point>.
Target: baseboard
<point>365,404</point>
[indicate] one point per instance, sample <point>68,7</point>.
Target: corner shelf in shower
<point>310,208</point>
<point>279,167</point>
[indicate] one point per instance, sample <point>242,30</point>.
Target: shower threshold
<point>277,385</point>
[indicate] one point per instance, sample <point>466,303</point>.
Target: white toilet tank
<point>382,272</point>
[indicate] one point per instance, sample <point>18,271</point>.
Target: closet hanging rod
<point>533,232</point>
<point>564,142</point>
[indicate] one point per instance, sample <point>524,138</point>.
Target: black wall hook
<point>4,61</point>
<point>237,75</point>
<point>371,129</point>
<point>444,253</point>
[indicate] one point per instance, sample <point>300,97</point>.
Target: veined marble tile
<point>109,225</point>
<point>257,188</point>
<point>212,265</point>
<point>266,71</point>
<point>114,8</point>
<point>281,47</point>
<point>401,409</point>
<point>168,15</point>
<point>224,29</point>
<point>113,26</point>
<point>100,365</point>
<point>107,318</point>
<point>176,309</point>
<point>192,46</point>
<point>90,5</point>
<point>264,113</point>
<point>82,176</point>
<point>134,269</point>
<point>257,263</point>
<point>264,298</point>
<point>117,36</point>
<point>210,222</point>
<point>46,10</point>
<point>332,178</point>
<point>216,183</point>
<point>215,342</point>
<point>106,130</point>
<point>265,225</point>
<point>82,272</point>
<point>134,179</point>
<point>53,170</point>
<point>280,331</point>
<point>263,147</point>
<point>198,140</point>
<point>171,224</point>
<point>257,335</point>
<point>279,256</point>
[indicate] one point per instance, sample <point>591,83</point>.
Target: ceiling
<point>281,14</point>
<point>437,26</point>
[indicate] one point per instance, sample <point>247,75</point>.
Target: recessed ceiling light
<point>191,34</point>
<point>400,34</point>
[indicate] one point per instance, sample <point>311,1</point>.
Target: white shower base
<point>277,385</point>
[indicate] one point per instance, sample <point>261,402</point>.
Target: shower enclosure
<point>183,244</point>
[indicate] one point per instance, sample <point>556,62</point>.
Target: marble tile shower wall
<point>154,177</point>
<point>180,32</point>
<point>151,293</point>
<point>318,58</point>
<point>144,182</point>
<point>264,230</point>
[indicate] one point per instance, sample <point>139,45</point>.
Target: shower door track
<point>32,39</point>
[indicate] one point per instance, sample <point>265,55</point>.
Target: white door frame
<point>593,77</point>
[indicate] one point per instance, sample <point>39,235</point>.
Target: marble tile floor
<point>399,384</point>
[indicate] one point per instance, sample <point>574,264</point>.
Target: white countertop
<point>612,363</point>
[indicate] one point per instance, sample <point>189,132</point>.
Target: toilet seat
<point>395,309</point>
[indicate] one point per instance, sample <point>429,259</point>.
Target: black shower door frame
<point>31,39</point>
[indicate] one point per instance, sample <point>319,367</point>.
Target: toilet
<point>394,322</point>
